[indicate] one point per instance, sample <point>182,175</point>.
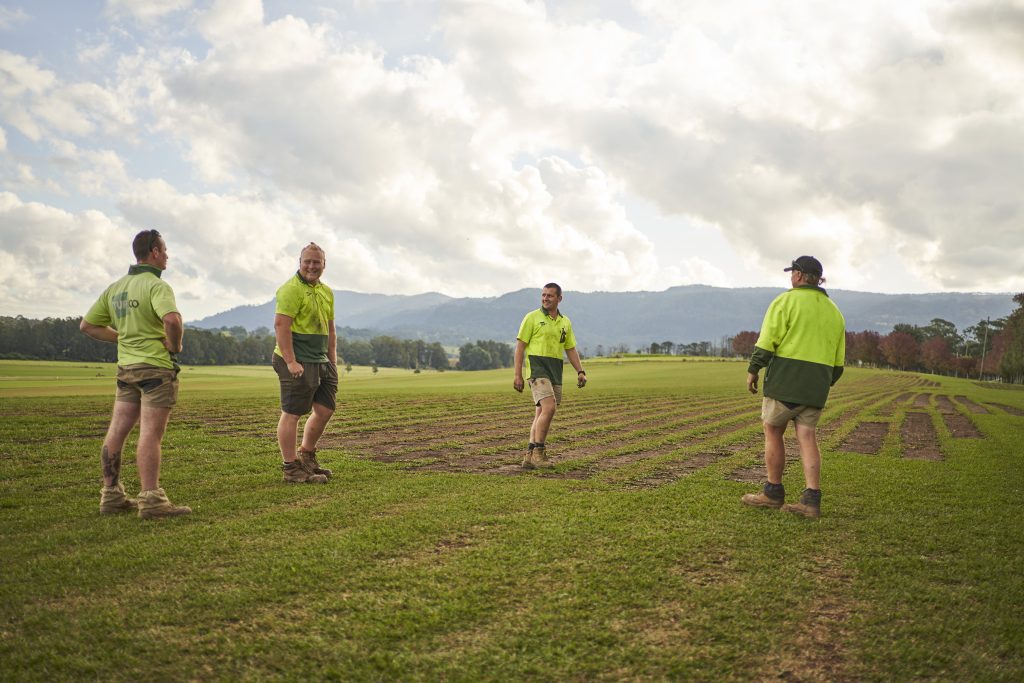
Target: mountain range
<point>682,314</point>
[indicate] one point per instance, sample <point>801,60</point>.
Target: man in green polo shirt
<point>803,346</point>
<point>306,362</point>
<point>139,314</point>
<point>544,335</point>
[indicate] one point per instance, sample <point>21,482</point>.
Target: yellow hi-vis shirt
<point>135,306</point>
<point>546,340</point>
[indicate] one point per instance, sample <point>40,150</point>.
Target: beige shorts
<point>777,414</point>
<point>147,384</point>
<point>542,388</point>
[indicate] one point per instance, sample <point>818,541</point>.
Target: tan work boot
<point>295,473</point>
<point>154,504</point>
<point>773,496</point>
<point>528,459</point>
<point>310,464</point>
<point>113,500</point>
<point>809,505</point>
<point>540,458</point>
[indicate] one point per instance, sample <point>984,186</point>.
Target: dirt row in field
<point>634,443</point>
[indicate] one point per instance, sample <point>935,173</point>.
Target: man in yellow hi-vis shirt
<point>139,314</point>
<point>543,337</point>
<point>802,345</point>
<point>306,362</point>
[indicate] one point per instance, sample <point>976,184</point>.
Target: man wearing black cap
<point>803,345</point>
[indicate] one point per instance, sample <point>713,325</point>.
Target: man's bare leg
<point>152,426</point>
<point>774,452</point>
<point>542,420</point>
<point>122,421</point>
<point>810,456</point>
<point>287,428</point>
<point>315,426</point>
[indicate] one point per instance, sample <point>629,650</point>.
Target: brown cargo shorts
<point>318,384</point>
<point>777,414</point>
<point>147,384</point>
<point>542,388</point>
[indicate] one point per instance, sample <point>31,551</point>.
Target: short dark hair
<point>145,242</point>
<point>555,286</point>
<point>315,247</point>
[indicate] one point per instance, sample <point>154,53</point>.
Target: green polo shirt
<point>803,346</point>
<point>546,340</point>
<point>311,308</point>
<point>135,306</point>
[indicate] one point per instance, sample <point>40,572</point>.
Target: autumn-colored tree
<point>743,343</point>
<point>900,349</point>
<point>936,356</point>
<point>863,347</point>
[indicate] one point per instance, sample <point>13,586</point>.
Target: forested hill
<point>679,314</point>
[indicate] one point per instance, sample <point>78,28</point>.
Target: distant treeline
<point>59,339</point>
<point>991,348</point>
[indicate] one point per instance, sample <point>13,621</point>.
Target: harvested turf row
<point>410,443</point>
<point>714,441</point>
<point>920,441</point>
<point>975,408</point>
<point>866,438</point>
<point>1009,409</point>
<point>958,424</point>
<point>922,401</point>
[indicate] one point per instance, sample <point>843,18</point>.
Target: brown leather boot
<point>295,473</point>
<point>113,500</point>
<point>309,462</point>
<point>773,496</point>
<point>154,504</point>
<point>809,505</point>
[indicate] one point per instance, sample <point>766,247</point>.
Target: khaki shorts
<point>777,414</point>
<point>147,384</point>
<point>542,388</point>
<point>318,384</point>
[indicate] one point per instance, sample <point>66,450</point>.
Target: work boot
<point>113,500</point>
<point>773,496</point>
<point>295,473</point>
<point>540,458</point>
<point>154,504</point>
<point>809,505</point>
<point>528,459</point>
<point>310,464</point>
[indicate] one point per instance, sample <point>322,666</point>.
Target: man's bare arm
<point>174,331</point>
<point>100,332</point>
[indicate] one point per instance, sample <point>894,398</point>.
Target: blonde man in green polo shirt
<point>802,345</point>
<point>139,314</point>
<point>306,362</point>
<point>544,335</point>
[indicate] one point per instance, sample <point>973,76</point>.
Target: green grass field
<point>432,556</point>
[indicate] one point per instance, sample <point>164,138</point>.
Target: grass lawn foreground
<point>431,556</point>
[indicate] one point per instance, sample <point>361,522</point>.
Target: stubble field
<point>431,555</point>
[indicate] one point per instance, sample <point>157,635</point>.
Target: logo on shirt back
<point>123,305</point>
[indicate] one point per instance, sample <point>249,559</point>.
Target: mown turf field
<point>431,556</point>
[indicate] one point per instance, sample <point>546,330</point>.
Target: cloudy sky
<point>476,147</point>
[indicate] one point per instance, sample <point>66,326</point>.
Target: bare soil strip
<point>920,442</point>
<point>944,404</point>
<point>890,407</point>
<point>975,408</point>
<point>674,471</point>
<point>921,400</point>
<point>1010,409</point>
<point>960,426</point>
<point>867,438</point>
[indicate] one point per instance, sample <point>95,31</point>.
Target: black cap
<point>806,264</point>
